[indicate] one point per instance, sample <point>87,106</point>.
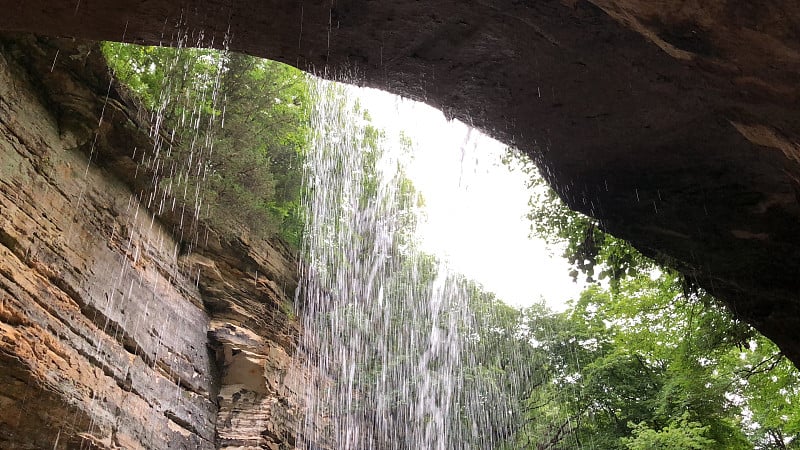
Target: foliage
<point>639,367</point>
<point>231,131</point>
<point>770,387</point>
<point>680,434</point>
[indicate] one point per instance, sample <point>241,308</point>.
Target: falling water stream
<point>387,329</point>
<point>390,333</point>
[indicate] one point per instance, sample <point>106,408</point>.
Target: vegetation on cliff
<point>230,130</point>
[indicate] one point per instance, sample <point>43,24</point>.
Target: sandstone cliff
<point>111,335</point>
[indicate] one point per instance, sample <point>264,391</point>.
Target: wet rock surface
<point>674,123</point>
<point>111,335</point>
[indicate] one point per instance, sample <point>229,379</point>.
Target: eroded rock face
<point>674,123</point>
<point>111,336</point>
<point>104,335</point>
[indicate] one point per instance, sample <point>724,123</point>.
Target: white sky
<point>475,206</point>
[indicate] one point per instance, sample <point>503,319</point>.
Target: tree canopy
<point>230,133</point>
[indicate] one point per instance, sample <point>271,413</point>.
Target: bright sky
<point>475,206</point>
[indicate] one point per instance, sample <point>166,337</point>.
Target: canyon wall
<point>112,335</point>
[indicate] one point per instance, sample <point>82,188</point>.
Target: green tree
<point>680,434</point>
<point>636,355</point>
<point>769,385</point>
<point>230,134</point>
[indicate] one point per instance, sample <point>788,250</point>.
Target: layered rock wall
<point>111,335</point>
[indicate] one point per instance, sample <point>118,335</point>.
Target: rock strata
<point>111,335</point>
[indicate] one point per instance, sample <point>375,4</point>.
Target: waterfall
<point>387,329</point>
